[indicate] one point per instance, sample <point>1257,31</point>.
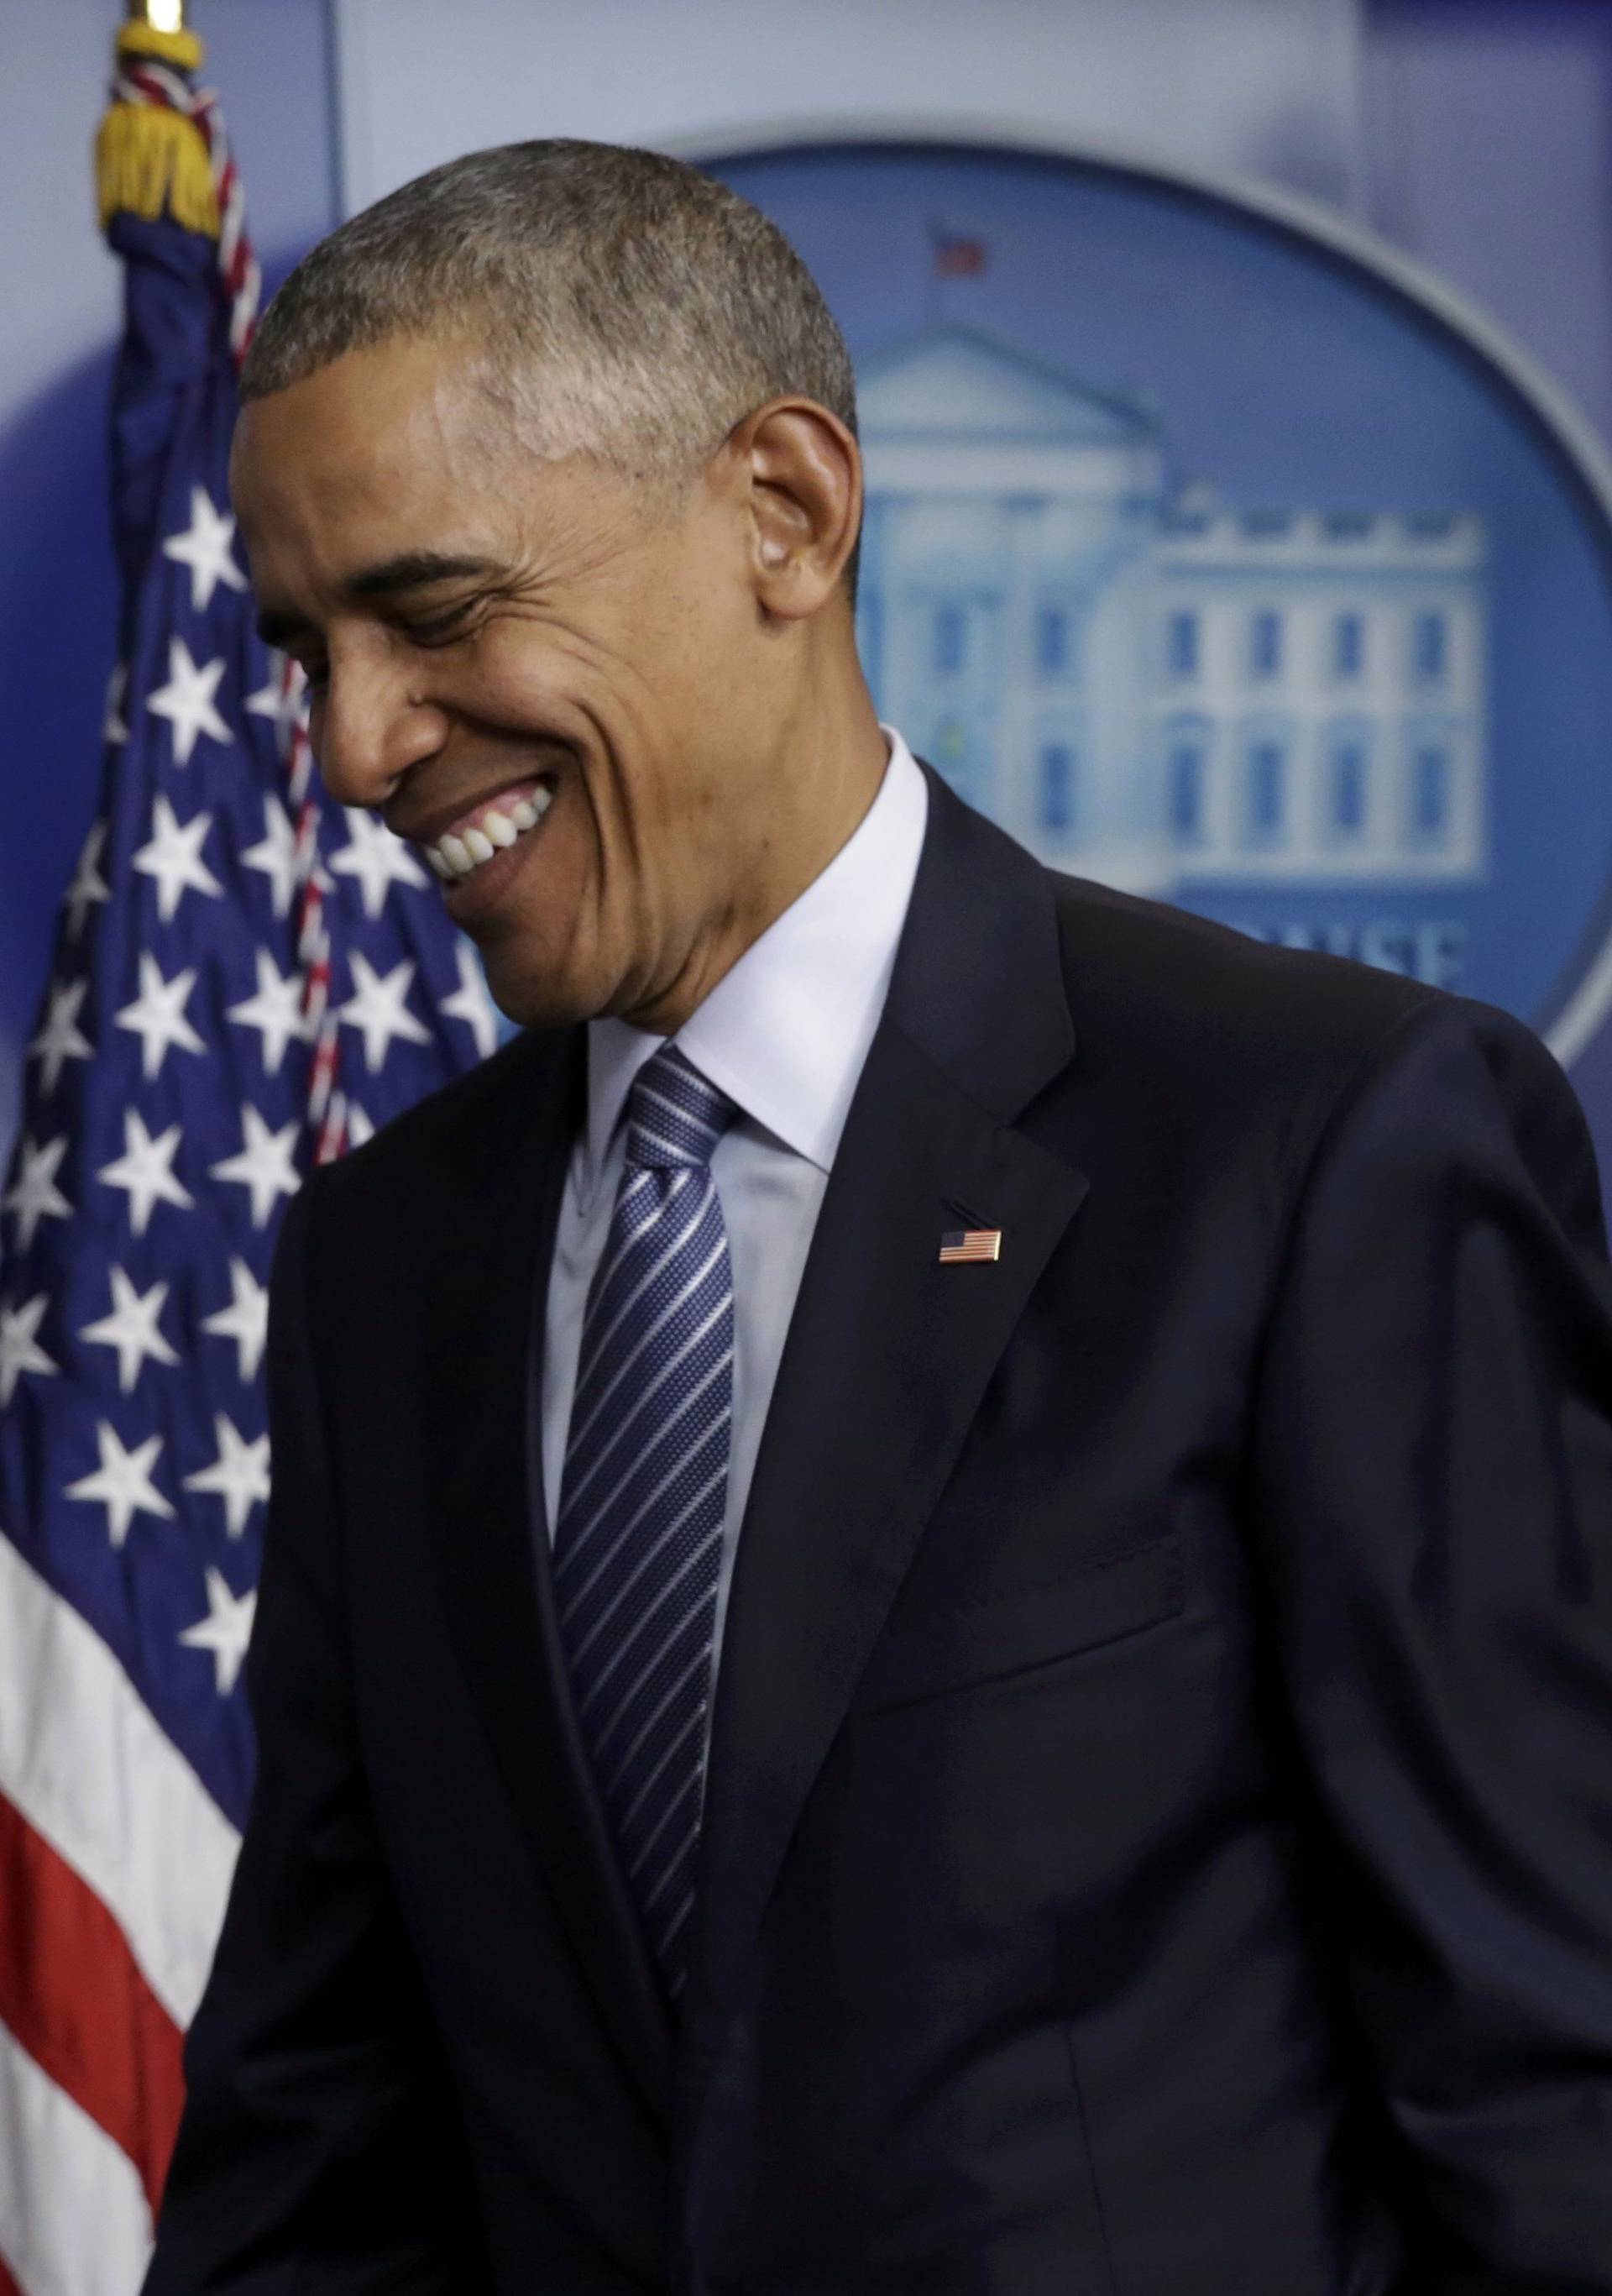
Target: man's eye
<point>439,629</point>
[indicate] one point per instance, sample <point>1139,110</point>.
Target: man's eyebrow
<point>412,569</point>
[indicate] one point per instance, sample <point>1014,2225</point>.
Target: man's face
<point>502,644</point>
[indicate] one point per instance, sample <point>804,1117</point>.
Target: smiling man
<point>938,1609</point>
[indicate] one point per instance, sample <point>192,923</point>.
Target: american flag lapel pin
<point>959,1245</point>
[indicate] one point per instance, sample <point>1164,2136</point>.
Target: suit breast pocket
<point>1031,1628</point>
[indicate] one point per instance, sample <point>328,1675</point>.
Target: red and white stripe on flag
<point>102,1959</point>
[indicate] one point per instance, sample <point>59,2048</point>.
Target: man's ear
<point>804,476</point>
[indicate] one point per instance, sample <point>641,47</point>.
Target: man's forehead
<point>366,467</point>
<point>398,453</point>
<point>392,406</point>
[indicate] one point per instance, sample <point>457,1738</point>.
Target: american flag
<point>166,1122</point>
<point>961,1245</point>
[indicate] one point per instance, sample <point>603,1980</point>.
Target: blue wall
<point>1486,147</point>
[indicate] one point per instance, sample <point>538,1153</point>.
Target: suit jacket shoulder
<point>1209,1027</point>
<point>1182,989</point>
<point>457,1135</point>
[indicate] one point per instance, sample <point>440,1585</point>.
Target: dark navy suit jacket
<point>1158,1839</point>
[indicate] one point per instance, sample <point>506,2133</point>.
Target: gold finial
<point>153,159</point>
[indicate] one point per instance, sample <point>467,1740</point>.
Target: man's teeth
<point>500,824</point>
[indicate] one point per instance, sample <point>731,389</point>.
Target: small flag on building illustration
<point>957,256</point>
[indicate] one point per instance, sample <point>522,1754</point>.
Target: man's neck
<point>834,774</point>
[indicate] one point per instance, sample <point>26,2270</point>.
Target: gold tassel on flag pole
<point>148,160</point>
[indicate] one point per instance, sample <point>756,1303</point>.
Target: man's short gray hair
<point>625,305</point>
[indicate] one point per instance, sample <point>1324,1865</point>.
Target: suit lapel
<point>484,1313</point>
<point>887,1357</point>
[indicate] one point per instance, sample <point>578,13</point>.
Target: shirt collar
<point>786,1031</point>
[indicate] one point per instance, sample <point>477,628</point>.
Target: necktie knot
<point>675,1116</point>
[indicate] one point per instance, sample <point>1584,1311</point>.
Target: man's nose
<point>371,731</point>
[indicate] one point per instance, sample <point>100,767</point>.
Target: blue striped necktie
<point>638,1546</point>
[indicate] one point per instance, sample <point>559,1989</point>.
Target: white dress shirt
<point>784,1034</point>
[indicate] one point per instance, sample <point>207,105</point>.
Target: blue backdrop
<point>1287,378</point>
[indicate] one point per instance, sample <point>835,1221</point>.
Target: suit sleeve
<point>318,2150</point>
<point>1434,1477</point>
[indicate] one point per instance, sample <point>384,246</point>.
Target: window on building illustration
<point>1053,642</point>
<point>1347,792</point>
<point>1181,646</point>
<point>1266,806</point>
<point>951,633</point>
<point>1429,645</point>
<point>1429,792</point>
<point>1348,645</point>
<point>1187,793</point>
<point>1057,786</point>
<point>952,753</point>
<point>1265,643</point>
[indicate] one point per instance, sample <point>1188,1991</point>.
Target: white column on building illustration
<point>1023,519</point>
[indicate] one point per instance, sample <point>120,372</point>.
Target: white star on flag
<point>132,1328</point>
<point>146,1169</point>
<point>122,1483</point>
<point>19,1350</point>
<point>264,1164</point>
<point>88,885</point>
<point>205,548</point>
<point>379,1008</point>
<point>239,1475</point>
<point>376,858</point>
<point>60,1040</point>
<point>225,1631</point>
<point>112,725</point>
<point>156,1015</point>
<point>245,1320</point>
<point>472,1003</point>
<point>36,1195</point>
<point>276,1011</point>
<point>173,857</point>
<point>187,701</point>
<point>276,857</point>
<point>276,700</point>
<point>360,1127</point>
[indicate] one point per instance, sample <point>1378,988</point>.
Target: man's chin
<point>536,995</point>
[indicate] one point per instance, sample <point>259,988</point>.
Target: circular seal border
<point>1583,997</point>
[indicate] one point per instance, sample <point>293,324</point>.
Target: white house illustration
<point>1140,687</point>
